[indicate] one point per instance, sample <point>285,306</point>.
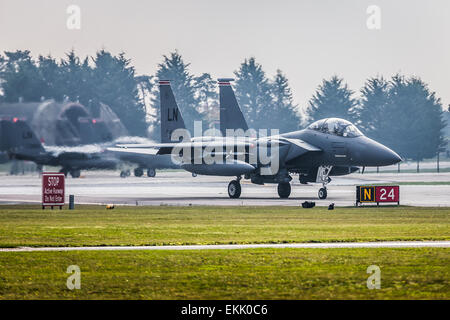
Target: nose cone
<point>375,154</point>
<point>386,156</point>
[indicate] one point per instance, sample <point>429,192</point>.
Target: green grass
<point>228,274</point>
<point>223,274</point>
<point>96,226</point>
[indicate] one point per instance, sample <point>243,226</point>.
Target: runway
<point>179,188</point>
<point>330,245</point>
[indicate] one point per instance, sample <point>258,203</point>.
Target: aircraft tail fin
<point>231,116</point>
<point>17,134</point>
<point>4,139</point>
<point>171,118</point>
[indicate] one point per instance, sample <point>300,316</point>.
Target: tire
<point>323,193</point>
<point>123,174</point>
<point>284,190</point>
<point>194,175</point>
<point>234,189</point>
<point>151,173</point>
<point>128,173</point>
<point>138,172</point>
<point>75,173</point>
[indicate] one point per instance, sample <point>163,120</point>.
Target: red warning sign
<point>387,194</point>
<point>53,189</point>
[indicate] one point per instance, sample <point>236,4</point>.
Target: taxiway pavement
<point>179,188</point>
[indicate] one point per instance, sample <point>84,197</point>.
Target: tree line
<point>401,112</point>
<point>103,78</point>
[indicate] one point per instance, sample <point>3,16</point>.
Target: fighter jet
<point>326,147</point>
<point>22,144</point>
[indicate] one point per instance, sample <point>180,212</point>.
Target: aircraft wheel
<point>138,172</point>
<point>63,171</point>
<point>284,190</point>
<point>322,193</point>
<point>123,174</point>
<point>151,173</point>
<point>75,173</point>
<point>194,175</point>
<point>234,189</point>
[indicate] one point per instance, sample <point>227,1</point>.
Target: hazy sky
<point>308,40</point>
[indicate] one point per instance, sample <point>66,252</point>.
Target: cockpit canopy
<point>336,126</point>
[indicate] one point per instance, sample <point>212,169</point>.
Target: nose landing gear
<point>323,176</point>
<point>323,193</point>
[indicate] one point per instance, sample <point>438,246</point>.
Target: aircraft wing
<point>166,148</point>
<point>298,148</point>
<point>146,151</point>
<point>137,145</point>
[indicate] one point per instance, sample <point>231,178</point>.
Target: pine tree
<point>51,75</point>
<point>402,114</point>
<point>145,87</point>
<point>206,95</point>
<point>115,84</point>
<point>373,117</point>
<point>253,92</point>
<point>20,77</point>
<point>76,80</point>
<point>284,112</point>
<point>333,99</point>
<point>417,119</point>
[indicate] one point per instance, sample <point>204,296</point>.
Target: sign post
<point>53,190</point>
<point>377,194</point>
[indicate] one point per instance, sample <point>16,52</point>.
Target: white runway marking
<point>330,245</point>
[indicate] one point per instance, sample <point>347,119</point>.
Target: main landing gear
<point>151,173</point>
<point>234,188</point>
<point>125,173</point>
<point>138,172</point>
<point>284,190</point>
<point>74,173</point>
